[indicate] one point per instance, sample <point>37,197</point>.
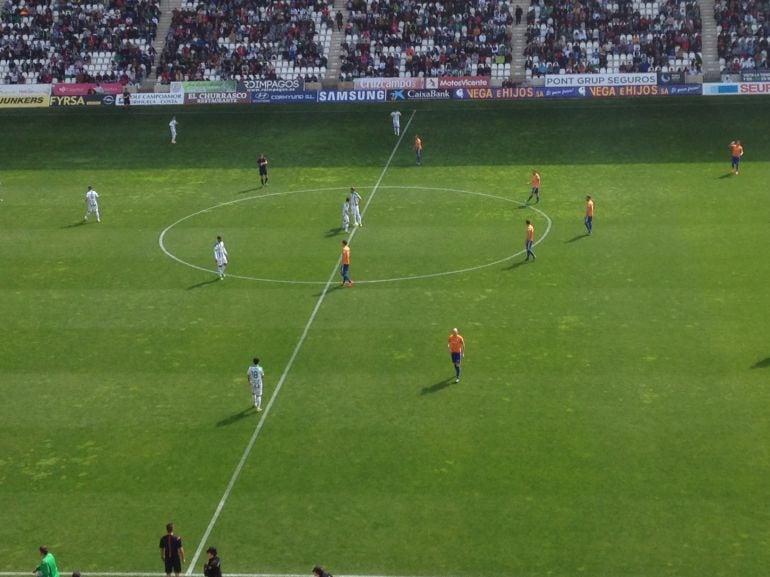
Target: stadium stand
<point>742,29</point>
<point>586,36</point>
<point>247,39</point>
<point>67,41</point>
<point>413,38</point>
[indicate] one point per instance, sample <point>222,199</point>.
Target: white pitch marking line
<point>278,387</point>
<point>371,281</point>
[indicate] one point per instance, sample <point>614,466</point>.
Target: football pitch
<point>612,416</point>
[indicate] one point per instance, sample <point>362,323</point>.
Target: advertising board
<point>63,89</point>
<point>217,98</point>
<point>266,97</point>
<point>152,99</point>
<point>622,79</point>
<point>352,95</point>
<point>288,85</point>
<point>388,83</point>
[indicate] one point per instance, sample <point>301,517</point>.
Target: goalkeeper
<point>47,567</point>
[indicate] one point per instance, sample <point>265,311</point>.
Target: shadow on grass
<point>245,190</point>
<point>517,264</point>
<point>333,232</point>
<point>577,238</point>
<point>236,417</point>
<point>728,175</point>
<point>75,224</point>
<point>437,387</point>
<point>763,364</point>
<point>203,283</point>
<point>332,288</point>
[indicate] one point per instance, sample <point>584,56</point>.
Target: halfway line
<point>294,354</point>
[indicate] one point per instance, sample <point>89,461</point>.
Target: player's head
<point>352,189</point>
<point>170,527</point>
<point>455,331</point>
<point>43,550</point>
<point>347,199</point>
<point>76,574</point>
<point>90,187</point>
<point>219,239</point>
<point>529,222</point>
<point>173,118</point>
<point>588,197</point>
<point>212,551</point>
<point>318,571</point>
<point>534,172</point>
<point>737,142</point>
<point>344,243</point>
<point>256,360</point>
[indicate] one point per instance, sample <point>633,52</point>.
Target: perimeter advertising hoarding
<point>450,82</point>
<point>671,78</point>
<point>217,98</point>
<point>736,88</point>
<point>203,86</point>
<point>152,99</point>
<point>519,92</point>
<point>644,90</point>
<point>25,89</point>
<point>388,83</point>
<point>297,96</point>
<point>24,100</point>
<point>426,94</point>
<point>352,95</point>
<point>83,100</point>
<point>63,89</point>
<point>756,76</point>
<point>623,79</point>
<point>289,85</point>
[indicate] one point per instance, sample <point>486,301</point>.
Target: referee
<point>171,551</point>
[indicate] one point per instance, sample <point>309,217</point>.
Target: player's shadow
<point>203,283</point>
<point>236,417</point>
<point>256,188</point>
<point>516,264</point>
<point>577,238</point>
<point>763,364</point>
<point>726,175</point>
<point>441,385</point>
<point>333,232</point>
<point>75,224</point>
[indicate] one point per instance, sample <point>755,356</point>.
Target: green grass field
<point>612,419</point>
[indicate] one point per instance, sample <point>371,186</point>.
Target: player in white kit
<point>92,204</point>
<point>355,206</point>
<point>220,256</point>
<point>346,215</point>
<point>172,126</point>
<point>256,377</point>
<point>396,116</point>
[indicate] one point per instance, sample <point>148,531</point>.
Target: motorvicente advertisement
<point>450,82</point>
<point>623,79</point>
<point>283,97</point>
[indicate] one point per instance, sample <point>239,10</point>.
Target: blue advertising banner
<point>352,95</point>
<point>288,97</point>
<point>567,92</point>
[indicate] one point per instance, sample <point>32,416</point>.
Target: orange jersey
<point>536,180</point>
<point>737,149</point>
<point>345,255</point>
<point>590,208</point>
<point>456,343</point>
<point>530,232</point>
<point>418,144</point>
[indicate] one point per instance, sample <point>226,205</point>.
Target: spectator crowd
<point>742,30</point>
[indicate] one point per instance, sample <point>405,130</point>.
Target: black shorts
<point>263,170</point>
<point>173,566</point>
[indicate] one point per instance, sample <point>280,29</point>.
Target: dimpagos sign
<point>293,84</point>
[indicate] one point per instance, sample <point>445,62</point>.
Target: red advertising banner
<point>83,89</point>
<point>449,82</point>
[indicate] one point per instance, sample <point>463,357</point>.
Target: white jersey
<point>396,116</point>
<point>345,208</point>
<point>255,374</point>
<point>355,198</point>
<point>91,198</point>
<point>172,125</point>
<point>220,253</point>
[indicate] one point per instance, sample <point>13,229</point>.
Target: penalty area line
<point>292,358</point>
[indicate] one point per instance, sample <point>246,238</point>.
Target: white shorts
<point>256,389</point>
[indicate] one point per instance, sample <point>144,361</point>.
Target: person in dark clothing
<point>319,571</point>
<point>213,567</point>
<point>519,13</point>
<point>171,551</point>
